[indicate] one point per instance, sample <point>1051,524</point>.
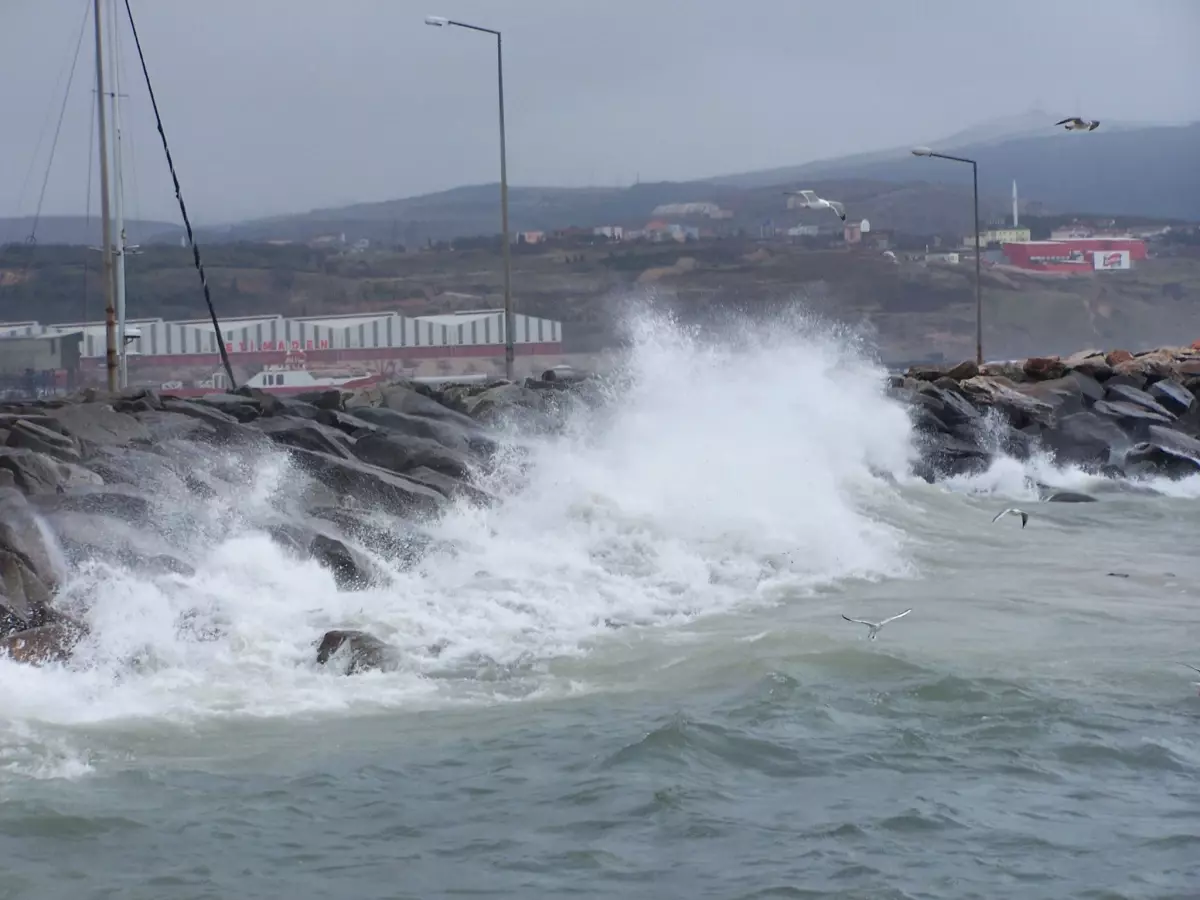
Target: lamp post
<point>925,151</point>
<point>509,324</point>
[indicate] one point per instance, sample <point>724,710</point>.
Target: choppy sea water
<point>1027,731</point>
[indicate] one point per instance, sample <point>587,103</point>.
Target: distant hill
<point>80,230</point>
<point>1147,171</point>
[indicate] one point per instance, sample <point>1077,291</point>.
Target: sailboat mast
<point>118,204</point>
<point>110,312</point>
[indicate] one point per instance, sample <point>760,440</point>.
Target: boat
<point>292,376</point>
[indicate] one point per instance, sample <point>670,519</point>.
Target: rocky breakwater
<point>1116,413</point>
<point>126,480</point>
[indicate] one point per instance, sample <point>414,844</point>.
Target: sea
<point>631,677</point>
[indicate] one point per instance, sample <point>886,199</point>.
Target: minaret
<point>1016,218</point>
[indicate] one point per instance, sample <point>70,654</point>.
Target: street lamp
<point>925,151</point>
<point>509,325</point>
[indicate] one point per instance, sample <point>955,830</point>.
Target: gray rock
<point>1123,393</point>
<point>1130,414</point>
<point>1086,438</point>
<point>1172,396</point>
<point>356,651</point>
<point>306,434</point>
<point>369,485</point>
<point>100,425</point>
<point>397,453</point>
<point>31,436</point>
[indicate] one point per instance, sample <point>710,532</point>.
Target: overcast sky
<point>275,106</point>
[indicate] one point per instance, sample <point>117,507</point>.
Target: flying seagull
<point>1077,124</point>
<point>1012,512</point>
<point>873,627</point>
<point>812,201</point>
<point>1194,669</point>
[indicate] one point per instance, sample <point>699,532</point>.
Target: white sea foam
<point>718,476</point>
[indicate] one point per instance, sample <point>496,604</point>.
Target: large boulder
<point>1126,394</point>
<point>306,434</point>
<point>32,436</point>
<point>1172,396</point>
<point>1019,409</point>
<point>950,406</point>
<point>119,501</point>
<point>99,425</point>
<point>1165,452</point>
<point>352,571</point>
<point>1129,415</point>
<point>356,651</point>
<point>53,642</point>
<point>461,434</point>
<point>36,473</point>
<point>402,398</point>
<point>1044,368</point>
<point>1085,438</point>
<point>1089,362</point>
<point>369,485</point>
<point>398,453</point>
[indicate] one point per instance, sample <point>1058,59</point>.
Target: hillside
<point>1139,171</point>
<point>81,230</point>
<point>1115,170</point>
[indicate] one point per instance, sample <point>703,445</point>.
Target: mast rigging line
<point>182,208</point>
<point>31,241</point>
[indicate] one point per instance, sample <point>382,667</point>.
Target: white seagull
<point>1195,684</point>
<point>812,201</point>
<point>1012,512</point>
<point>1077,124</point>
<point>873,627</point>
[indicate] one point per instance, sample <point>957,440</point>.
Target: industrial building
<point>258,340</point>
<point>1075,256</point>
<point>32,364</point>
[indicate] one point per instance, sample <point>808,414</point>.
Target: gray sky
<point>275,106</point>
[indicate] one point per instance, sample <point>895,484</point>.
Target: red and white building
<point>161,351</point>
<point>1075,255</point>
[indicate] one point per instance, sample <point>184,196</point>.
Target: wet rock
<point>351,570</point>
<point>454,434</point>
<point>1089,362</point>
<point>1018,409</point>
<point>31,436</point>
<point>951,407</point>
<point>963,371</point>
<point>53,642</point>
<point>21,536</point>
<point>926,373</point>
<point>306,434</point>
<point>32,472</point>
<point>99,425</point>
<point>1085,438</point>
<point>947,456</point>
<point>397,453</point>
<point>298,409</point>
<point>449,487</point>
<point>1065,396</point>
<point>1167,452</point>
<point>24,597</point>
<point>169,425</point>
<point>400,544</point>
<point>1125,394</point>
<point>120,501</point>
<point>356,651</point>
<point>241,408</point>
<point>327,399</point>
<point>402,398</point>
<point>1070,497</point>
<point>1130,415</point>
<point>1172,396</point>
<point>369,485</point>
<point>198,411</point>
<point>1044,368</point>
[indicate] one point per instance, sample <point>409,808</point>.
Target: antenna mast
<point>110,312</point>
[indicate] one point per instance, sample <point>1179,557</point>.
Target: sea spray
<point>717,474</point>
